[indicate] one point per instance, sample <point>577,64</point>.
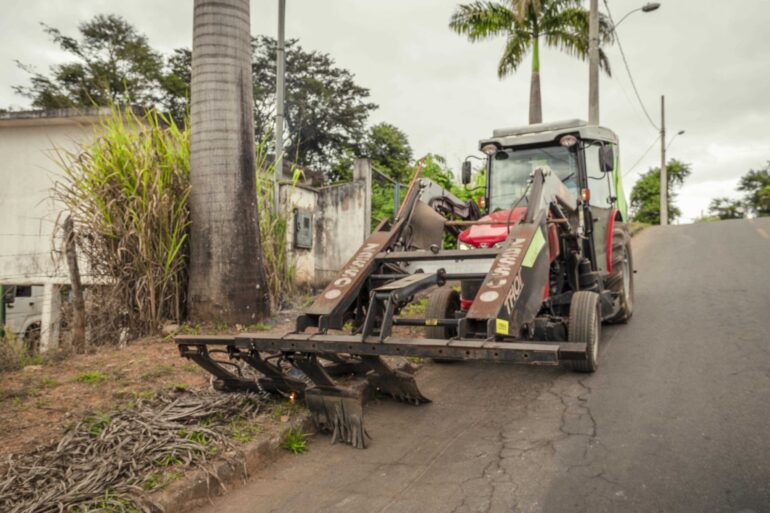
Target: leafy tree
<point>561,24</point>
<point>389,149</point>
<point>725,208</point>
<point>326,111</point>
<point>645,196</point>
<point>756,186</point>
<point>112,63</point>
<point>175,84</point>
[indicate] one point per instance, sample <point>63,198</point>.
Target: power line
<point>643,155</point>
<point>628,69</point>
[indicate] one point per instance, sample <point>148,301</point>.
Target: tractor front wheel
<point>442,304</point>
<point>585,326</point>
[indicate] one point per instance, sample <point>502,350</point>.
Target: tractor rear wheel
<point>585,326</point>
<point>621,280</point>
<point>442,304</point>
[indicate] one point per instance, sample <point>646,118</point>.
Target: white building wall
<point>28,215</point>
<point>29,145</point>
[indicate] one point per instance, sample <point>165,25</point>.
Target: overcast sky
<point>710,59</point>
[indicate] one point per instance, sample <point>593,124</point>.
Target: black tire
<point>585,326</point>
<point>621,280</point>
<point>442,304</point>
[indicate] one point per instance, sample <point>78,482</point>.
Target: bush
<point>127,193</point>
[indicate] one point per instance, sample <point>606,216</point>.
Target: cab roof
<point>548,132</point>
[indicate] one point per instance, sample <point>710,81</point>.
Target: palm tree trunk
<point>535,100</point>
<point>227,281</point>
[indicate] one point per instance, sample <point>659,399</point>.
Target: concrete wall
<point>341,219</point>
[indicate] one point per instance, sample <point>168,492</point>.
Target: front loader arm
<point>512,293</point>
<point>417,225</point>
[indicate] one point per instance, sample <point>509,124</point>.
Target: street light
<point>593,54</point>
<point>648,7</point>
<point>681,132</point>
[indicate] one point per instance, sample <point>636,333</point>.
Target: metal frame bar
<point>462,349</point>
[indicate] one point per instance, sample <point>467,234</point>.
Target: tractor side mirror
<point>466,172</point>
<point>606,158</point>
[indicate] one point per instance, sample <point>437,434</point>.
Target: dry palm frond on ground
<point>108,462</point>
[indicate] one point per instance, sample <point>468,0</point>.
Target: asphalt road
<point>677,419</point>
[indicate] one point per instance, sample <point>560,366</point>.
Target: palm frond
<point>516,48</point>
<point>567,30</point>
<point>482,20</point>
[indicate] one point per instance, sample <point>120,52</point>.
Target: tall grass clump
<point>279,270</point>
<point>127,192</point>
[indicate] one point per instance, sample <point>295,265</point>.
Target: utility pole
<point>663,174</point>
<point>593,64</point>
<point>280,75</point>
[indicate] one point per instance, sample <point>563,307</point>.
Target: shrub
<point>127,193</point>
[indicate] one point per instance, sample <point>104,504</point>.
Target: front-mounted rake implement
<point>508,320</point>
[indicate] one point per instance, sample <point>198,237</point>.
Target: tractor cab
<point>582,157</point>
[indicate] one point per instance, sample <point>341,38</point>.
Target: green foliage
<point>326,110</point>
<point>127,193</point>
<point>49,382</point>
<point>415,309</point>
<point>96,424</point>
<point>91,377</point>
<point>561,24</point>
<point>725,208</point>
<point>112,62</point>
<point>286,409</point>
<point>756,186</point>
<point>645,196</point>
<point>244,430</point>
<point>388,148</point>
<point>259,326</point>
<point>279,270</point>
<point>294,441</point>
<point>167,460</point>
<point>160,480</point>
<point>197,437</point>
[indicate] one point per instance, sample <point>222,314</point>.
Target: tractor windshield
<point>511,168</point>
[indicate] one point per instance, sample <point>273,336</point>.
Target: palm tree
<point>562,24</point>
<point>227,281</point>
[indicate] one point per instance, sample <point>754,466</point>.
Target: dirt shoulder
<point>39,402</point>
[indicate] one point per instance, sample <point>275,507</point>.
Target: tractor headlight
<point>464,245</point>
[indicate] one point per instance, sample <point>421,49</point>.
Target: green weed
<point>96,424</point>
<point>286,409</point>
<point>91,377</point>
<point>244,431</point>
<point>167,460</point>
<point>259,326</point>
<point>416,308</point>
<point>197,437</point>
<point>294,441</point>
<point>49,382</point>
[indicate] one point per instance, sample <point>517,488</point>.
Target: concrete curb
<point>197,487</point>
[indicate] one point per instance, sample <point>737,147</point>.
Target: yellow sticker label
<point>431,322</point>
<point>538,241</point>
<point>501,326</point>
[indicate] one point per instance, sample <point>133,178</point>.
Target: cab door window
<point>599,182</point>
